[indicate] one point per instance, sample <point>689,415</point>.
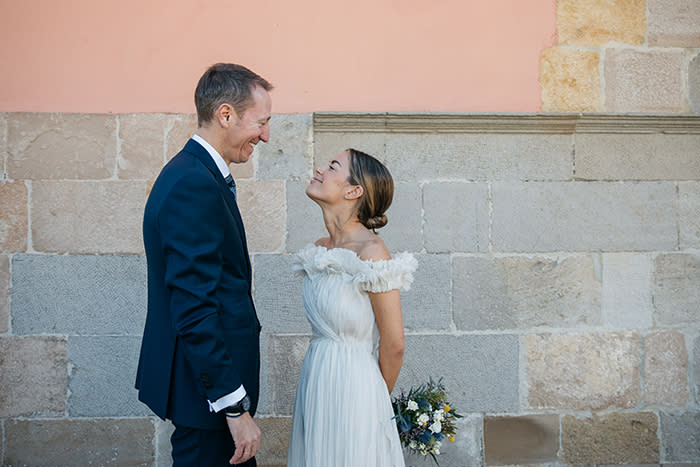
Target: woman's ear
<point>354,192</point>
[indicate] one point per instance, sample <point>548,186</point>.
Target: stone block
<point>676,295</point>
<point>304,219</point>
<point>141,146</point>
<point>78,294</point>
<point>179,128</point>
<point>163,449</point>
<point>570,80</point>
<point>694,84</point>
<point>427,305</point>
<point>689,214</point>
<point>673,23</point>
<point>637,156</point>
<point>405,228</point>
<point>262,206</point>
<point>627,291</point>
<point>67,219</point>
<point>597,22</point>
<point>326,145</point>
<point>3,139</point>
<point>521,293</point>
<point>665,369</point>
<point>696,368</point>
<point>644,81</point>
<point>529,439</point>
<point>102,365</point>
<point>579,216</point>
<point>681,436</point>
<point>583,371</point>
<point>34,377</point>
<point>285,356</point>
<point>486,156</point>
<point>465,451</point>
<point>610,439</point>
<point>14,217</point>
<point>288,155</point>
<point>480,372</point>
<point>4,293</point>
<point>59,146</point>
<point>106,442</point>
<point>278,294</point>
<point>275,440</point>
<point>456,217</point>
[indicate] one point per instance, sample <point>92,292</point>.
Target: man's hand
<point>246,436</point>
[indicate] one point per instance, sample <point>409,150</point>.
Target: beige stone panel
<point>597,22</point>
<point>141,149</point>
<point>583,371</point>
<point>326,145</point>
<point>105,442</point>
<point>264,211</point>
<point>665,369</point>
<point>3,141</point>
<point>244,171</point>
<point>61,146</point>
<point>273,448</point>
<point>13,216</point>
<point>570,80</point>
<point>659,156</point>
<point>689,217</point>
<point>179,129</point>
<point>644,81</point>
<point>674,23</point>
<point>530,439</point>
<point>88,217</point>
<point>34,376</point>
<point>4,293</point>
<point>629,438</point>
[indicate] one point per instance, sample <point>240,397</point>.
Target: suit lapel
<point>198,151</point>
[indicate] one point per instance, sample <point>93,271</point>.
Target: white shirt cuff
<point>228,400</point>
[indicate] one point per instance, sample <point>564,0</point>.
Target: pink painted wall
<point>355,55</point>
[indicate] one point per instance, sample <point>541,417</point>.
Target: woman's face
<point>330,182</point>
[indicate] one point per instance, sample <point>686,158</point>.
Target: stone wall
<point>557,290</point>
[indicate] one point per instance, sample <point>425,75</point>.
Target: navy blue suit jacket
<point>201,338</point>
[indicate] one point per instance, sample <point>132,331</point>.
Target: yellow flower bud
<point>446,408</point>
<point>452,439</point>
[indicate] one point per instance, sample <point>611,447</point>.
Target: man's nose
<point>265,134</point>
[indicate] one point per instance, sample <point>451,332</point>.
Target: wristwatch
<point>238,409</point>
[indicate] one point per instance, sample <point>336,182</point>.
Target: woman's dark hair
<point>378,187</point>
<point>226,83</point>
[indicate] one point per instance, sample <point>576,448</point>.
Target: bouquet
<point>424,418</point>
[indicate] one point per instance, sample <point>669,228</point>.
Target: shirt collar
<point>220,162</point>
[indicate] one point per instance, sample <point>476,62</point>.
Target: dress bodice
<point>335,291</point>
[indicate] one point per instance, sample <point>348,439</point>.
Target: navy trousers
<point>193,447</point>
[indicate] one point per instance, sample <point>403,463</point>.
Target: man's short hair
<point>226,83</point>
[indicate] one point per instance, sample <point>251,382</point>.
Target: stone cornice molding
<point>337,122</point>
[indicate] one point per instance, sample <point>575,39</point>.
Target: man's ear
<point>225,115</point>
<point>354,192</point>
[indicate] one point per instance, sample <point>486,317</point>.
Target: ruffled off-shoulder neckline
<point>371,275</point>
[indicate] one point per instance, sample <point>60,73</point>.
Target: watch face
<point>245,403</point>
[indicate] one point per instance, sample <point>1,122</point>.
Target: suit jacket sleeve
<point>193,231</point>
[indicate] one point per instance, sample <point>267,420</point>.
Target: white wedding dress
<point>343,415</point>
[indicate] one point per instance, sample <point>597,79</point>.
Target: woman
<point>343,414</point>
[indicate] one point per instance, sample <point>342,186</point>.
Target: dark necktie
<point>231,184</point>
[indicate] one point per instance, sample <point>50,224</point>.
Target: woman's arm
<point>387,312</point>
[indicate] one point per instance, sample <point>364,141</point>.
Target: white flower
<point>423,419</point>
<point>412,405</point>
<point>436,450</point>
<point>436,427</point>
<point>439,415</point>
<point>412,445</point>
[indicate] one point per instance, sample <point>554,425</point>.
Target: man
<point>200,357</point>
